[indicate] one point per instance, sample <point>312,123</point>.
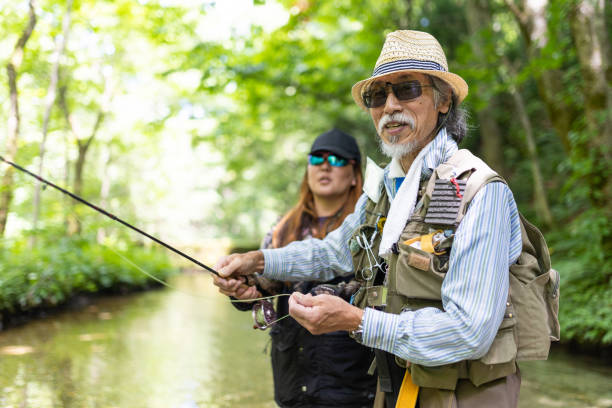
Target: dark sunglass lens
<point>315,160</point>
<point>367,99</point>
<point>375,96</point>
<point>336,161</point>
<point>379,97</point>
<point>407,90</point>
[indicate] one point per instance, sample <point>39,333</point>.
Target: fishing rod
<point>263,310</point>
<point>109,215</point>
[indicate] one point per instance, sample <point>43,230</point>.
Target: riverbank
<point>75,303</point>
<point>37,281</point>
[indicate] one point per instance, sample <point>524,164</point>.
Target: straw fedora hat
<point>412,51</point>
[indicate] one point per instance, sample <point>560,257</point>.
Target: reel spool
<point>263,314</point>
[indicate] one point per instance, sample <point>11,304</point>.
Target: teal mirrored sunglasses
<point>333,160</point>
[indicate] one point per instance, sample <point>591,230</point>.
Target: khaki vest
<point>414,279</point>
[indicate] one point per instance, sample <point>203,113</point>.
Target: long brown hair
<point>302,215</point>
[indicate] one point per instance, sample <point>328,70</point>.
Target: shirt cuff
<point>379,329</point>
<point>273,264</point>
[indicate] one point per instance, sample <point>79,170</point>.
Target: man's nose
<point>392,104</point>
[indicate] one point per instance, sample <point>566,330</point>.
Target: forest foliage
<point>198,129</point>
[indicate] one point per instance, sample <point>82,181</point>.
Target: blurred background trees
<point>193,118</point>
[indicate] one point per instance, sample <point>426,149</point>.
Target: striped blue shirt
<point>474,291</point>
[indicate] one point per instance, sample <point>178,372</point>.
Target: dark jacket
<point>328,370</point>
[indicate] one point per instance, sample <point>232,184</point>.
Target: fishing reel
<point>265,316</point>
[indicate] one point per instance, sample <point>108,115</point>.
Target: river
<point>188,348</point>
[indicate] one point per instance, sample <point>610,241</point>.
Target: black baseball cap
<point>338,142</point>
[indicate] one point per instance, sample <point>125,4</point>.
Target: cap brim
<point>460,87</point>
<point>337,150</point>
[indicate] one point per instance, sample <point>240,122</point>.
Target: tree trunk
<point>67,200</point>
<point>590,35</point>
<point>531,17</point>
<point>73,226</point>
<point>12,69</point>
<point>60,46</point>
<point>479,17</point>
<point>104,188</point>
<point>539,190</point>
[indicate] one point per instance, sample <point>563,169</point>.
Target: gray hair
<point>455,120</point>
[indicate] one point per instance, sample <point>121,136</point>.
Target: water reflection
<point>158,349</point>
<point>169,349</point>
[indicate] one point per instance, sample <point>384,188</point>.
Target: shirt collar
<point>395,169</point>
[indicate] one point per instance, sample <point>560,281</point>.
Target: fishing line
<point>137,267</point>
<point>109,215</point>
<point>166,284</point>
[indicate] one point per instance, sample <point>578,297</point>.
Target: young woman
<point>328,370</point>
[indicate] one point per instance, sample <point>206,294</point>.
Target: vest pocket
<point>534,325</point>
<point>503,348</point>
<point>415,275</point>
<point>442,377</point>
<point>500,360</point>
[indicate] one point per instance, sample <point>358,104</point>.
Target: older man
<point>431,242</point>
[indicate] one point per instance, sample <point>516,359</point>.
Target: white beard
<point>392,149</point>
<point>396,151</point>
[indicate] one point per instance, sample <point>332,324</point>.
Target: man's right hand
<point>232,269</point>
<point>236,288</point>
<point>235,265</point>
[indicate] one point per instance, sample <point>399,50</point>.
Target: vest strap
<point>384,376</point>
<point>408,392</point>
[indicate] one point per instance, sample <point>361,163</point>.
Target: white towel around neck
<point>402,205</point>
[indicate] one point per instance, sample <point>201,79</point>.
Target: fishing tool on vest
<point>368,272</point>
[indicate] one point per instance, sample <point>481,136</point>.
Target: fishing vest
<point>412,277</point>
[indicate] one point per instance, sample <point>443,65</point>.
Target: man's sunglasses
<point>333,160</point>
<point>376,95</point>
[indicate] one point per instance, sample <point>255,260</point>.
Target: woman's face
<point>327,181</point>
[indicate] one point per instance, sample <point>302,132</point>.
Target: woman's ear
<point>354,181</point>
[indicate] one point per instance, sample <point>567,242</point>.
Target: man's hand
<point>324,313</point>
<point>232,269</point>
<point>240,264</point>
<point>236,288</point>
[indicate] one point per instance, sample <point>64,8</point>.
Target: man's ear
<point>445,106</point>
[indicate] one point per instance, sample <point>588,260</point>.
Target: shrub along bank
<point>50,275</point>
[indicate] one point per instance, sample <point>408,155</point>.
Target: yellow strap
<point>408,393</point>
<point>411,241</point>
<point>426,243</point>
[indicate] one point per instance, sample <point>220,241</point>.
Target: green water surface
<point>190,348</point>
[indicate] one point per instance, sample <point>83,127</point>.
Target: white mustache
<point>395,117</point>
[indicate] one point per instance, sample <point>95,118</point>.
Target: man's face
<point>407,125</point>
